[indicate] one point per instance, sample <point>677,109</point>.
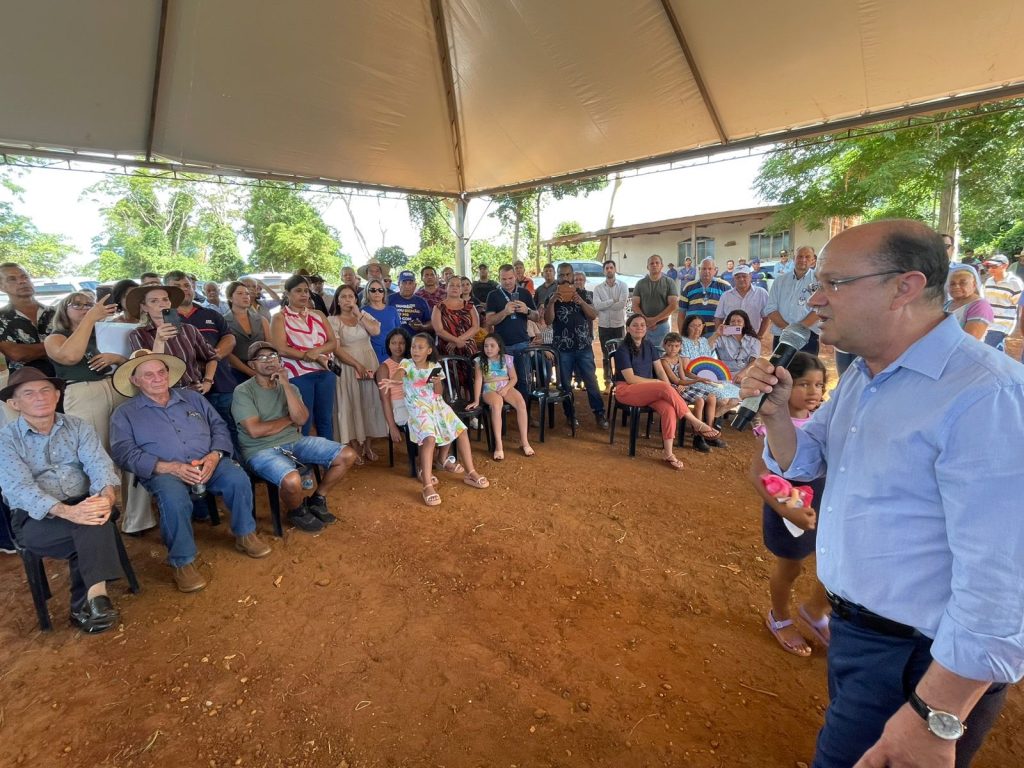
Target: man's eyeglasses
<point>79,305</point>
<point>266,357</point>
<point>834,284</point>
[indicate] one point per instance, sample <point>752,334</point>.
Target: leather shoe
<point>602,422</point>
<point>716,442</point>
<point>188,578</point>
<point>317,506</point>
<point>252,545</point>
<point>96,615</point>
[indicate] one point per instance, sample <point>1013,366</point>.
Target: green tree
<point>917,172</point>
<point>483,252</point>
<point>433,217</point>
<point>392,255</point>
<point>589,251</point>
<point>40,253</point>
<point>288,233</point>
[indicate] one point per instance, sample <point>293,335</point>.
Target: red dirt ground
<point>588,609</point>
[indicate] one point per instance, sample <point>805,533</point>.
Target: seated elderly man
<point>174,441</point>
<point>270,413</point>
<point>61,487</point>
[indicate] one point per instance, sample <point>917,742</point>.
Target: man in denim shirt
<point>174,441</point>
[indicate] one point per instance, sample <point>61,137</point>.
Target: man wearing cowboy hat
<point>174,440</point>
<point>61,486</point>
<point>374,270</point>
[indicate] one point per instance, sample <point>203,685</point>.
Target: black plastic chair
<point>411,450</point>
<point>273,500</point>
<point>485,419</point>
<point>458,393</point>
<point>35,572</point>
<point>543,385</point>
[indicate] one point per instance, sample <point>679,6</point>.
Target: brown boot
<point>188,578</point>
<point>252,545</point>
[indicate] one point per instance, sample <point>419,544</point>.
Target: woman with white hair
<point>967,302</point>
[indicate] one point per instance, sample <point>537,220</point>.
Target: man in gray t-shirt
<point>656,297</point>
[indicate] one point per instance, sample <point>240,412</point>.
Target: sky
<point>52,198</point>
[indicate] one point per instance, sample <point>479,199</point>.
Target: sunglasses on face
<point>376,290</point>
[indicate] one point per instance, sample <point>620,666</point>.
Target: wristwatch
<point>945,725</point>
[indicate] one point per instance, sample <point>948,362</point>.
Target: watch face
<point>945,725</point>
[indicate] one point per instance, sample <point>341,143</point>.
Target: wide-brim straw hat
<point>135,297</point>
<point>363,271</point>
<point>122,380</point>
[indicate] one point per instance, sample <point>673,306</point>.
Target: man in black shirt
<point>509,307</point>
<point>483,286</point>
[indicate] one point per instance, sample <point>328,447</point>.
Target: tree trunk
<point>949,204</point>
<point>515,240</point>
<point>540,193</point>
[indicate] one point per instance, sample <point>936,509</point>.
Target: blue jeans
<point>870,676</point>
<point>317,390</point>
<point>657,334</point>
<point>582,364</point>
<point>519,361</point>
<point>172,496</point>
<point>996,339</point>
<point>273,466</point>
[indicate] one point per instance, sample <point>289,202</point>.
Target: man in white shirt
<point>1003,292</point>
<point>787,299</point>
<point>752,299</point>
<point>610,299</point>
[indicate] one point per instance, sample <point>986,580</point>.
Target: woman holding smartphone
<point>162,331</point>
<point>737,344</point>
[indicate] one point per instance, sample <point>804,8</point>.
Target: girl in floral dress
<point>432,422</point>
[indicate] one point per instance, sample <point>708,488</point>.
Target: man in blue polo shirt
<point>413,310</point>
<point>508,310</point>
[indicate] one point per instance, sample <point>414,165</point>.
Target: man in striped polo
<point>1003,292</point>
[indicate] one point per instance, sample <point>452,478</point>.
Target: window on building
<point>766,247</point>
<point>705,250</point>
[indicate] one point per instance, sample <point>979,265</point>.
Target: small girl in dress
<point>431,421</point>
<point>790,550</point>
<point>697,393</point>
<point>393,401</point>
<point>495,382</point>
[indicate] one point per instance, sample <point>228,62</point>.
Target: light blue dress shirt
<point>789,295</point>
<point>922,520</point>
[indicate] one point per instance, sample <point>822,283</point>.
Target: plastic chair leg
<point>274,502</point>
<point>634,429</point>
<point>39,586</point>
<point>126,564</point>
<point>211,505</point>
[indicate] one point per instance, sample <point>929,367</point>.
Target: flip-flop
<point>674,462</point>
<point>817,627</point>
<point>430,497</point>
<point>776,627</point>
<point>499,455</point>
<point>478,482</point>
<point>527,451</point>
<point>708,433</point>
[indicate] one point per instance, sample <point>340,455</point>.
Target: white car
<point>594,271</point>
<point>50,292</point>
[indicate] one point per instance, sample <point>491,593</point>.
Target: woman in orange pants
<point>639,381</point>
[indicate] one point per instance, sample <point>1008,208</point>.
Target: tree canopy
<point>288,233</point>
<point>915,169</point>
<point>41,254</point>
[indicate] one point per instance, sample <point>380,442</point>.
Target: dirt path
<point>588,609</point>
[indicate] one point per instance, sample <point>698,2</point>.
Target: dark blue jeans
<point>317,390</point>
<point>996,339</point>
<point>172,496</point>
<point>870,676</point>
<point>221,402</point>
<point>582,364</point>
<point>519,361</point>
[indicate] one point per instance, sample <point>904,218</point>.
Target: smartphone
<point>434,374</point>
<point>171,316</point>
<point>731,330</point>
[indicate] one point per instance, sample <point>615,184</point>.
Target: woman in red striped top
<point>305,341</point>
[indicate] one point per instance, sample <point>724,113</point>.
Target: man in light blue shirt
<point>920,538</point>
<point>785,264</point>
<point>787,299</point>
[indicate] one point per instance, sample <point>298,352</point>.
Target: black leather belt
<point>860,616</point>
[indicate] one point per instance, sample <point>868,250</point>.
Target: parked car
<point>49,292</point>
<point>594,271</point>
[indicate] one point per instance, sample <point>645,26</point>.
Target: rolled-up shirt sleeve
<point>981,633</point>
<point>18,483</point>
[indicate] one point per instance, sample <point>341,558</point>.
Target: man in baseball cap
<point>1003,291</point>
<point>413,310</point>
<point>62,487</point>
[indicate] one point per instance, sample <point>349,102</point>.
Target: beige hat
<point>122,380</point>
<point>137,295</point>
<point>385,270</point>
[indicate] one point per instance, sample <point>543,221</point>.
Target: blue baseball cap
<point>406,274</point>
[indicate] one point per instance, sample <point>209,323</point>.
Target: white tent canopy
<point>474,96</point>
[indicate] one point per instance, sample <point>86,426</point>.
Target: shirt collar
<point>146,401</point>
<point>24,427</point>
<point>929,355</point>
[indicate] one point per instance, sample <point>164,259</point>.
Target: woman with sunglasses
<point>375,304</point>
<point>71,346</point>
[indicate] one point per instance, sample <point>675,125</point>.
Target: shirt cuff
<point>41,507</point>
<point>977,656</point>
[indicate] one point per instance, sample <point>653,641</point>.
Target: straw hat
<point>385,270</point>
<point>122,381</point>
<point>137,295</point>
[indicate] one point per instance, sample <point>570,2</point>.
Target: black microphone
<point>791,341</point>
